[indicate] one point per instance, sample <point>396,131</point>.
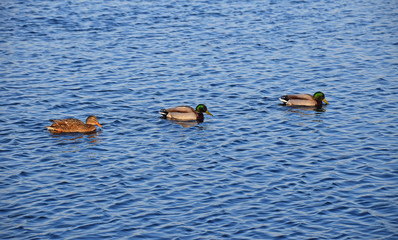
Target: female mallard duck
<point>71,125</point>
<point>185,113</point>
<point>304,100</point>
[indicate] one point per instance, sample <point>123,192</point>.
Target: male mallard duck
<point>71,125</point>
<point>304,99</point>
<point>185,113</point>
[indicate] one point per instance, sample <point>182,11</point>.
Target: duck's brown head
<point>92,120</point>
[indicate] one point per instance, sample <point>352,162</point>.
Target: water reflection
<point>186,124</point>
<point>304,108</point>
<point>304,111</point>
<point>93,137</point>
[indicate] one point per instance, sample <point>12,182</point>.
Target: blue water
<point>255,170</point>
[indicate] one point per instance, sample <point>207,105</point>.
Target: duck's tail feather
<point>284,99</point>
<point>164,113</point>
<point>52,129</point>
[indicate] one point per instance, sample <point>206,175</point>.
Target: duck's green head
<point>319,96</point>
<point>201,108</point>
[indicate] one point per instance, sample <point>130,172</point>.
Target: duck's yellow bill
<point>209,113</point>
<point>325,101</point>
<point>99,125</point>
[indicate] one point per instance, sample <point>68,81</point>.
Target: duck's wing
<point>182,113</point>
<point>298,100</point>
<point>66,122</point>
<point>300,96</point>
<point>70,125</point>
<point>180,109</point>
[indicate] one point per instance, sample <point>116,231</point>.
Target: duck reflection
<point>93,137</point>
<point>76,142</point>
<point>304,111</point>
<point>301,109</point>
<point>186,124</point>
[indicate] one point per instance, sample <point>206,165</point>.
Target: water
<point>255,170</point>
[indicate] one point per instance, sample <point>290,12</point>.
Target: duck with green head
<point>304,100</point>
<point>185,113</point>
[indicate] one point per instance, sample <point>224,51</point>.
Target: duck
<point>72,125</point>
<point>185,113</point>
<point>304,100</point>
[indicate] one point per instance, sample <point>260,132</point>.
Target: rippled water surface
<point>255,170</point>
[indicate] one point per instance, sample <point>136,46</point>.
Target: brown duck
<point>71,125</point>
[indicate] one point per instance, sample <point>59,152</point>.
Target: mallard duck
<point>185,113</point>
<point>71,125</point>
<point>304,100</point>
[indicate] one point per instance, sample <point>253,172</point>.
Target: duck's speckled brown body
<point>71,125</point>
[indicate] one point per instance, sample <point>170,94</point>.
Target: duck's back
<point>182,113</point>
<point>299,100</point>
<point>70,125</point>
